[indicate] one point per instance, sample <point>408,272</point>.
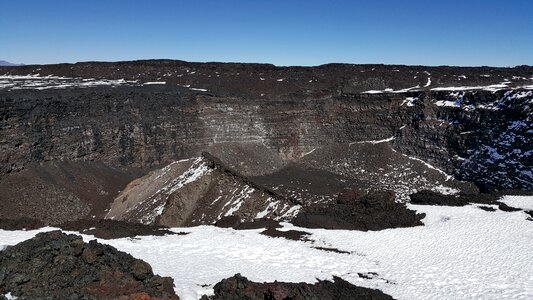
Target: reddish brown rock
<point>55,265</point>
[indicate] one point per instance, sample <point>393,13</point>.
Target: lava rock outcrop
<point>240,288</point>
<point>432,198</point>
<point>359,211</point>
<point>55,265</point>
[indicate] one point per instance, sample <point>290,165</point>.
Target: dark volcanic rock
<point>269,225</point>
<point>487,208</point>
<point>100,228</point>
<point>240,288</point>
<point>112,229</point>
<point>60,191</point>
<point>20,224</point>
<point>433,198</point>
<point>359,211</point>
<point>507,208</point>
<point>66,153</point>
<point>148,126</point>
<point>294,235</point>
<point>54,265</point>
<point>259,223</point>
<point>228,222</point>
<point>195,192</point>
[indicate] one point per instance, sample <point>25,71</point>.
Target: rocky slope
<point>59,191</point>
<point>197,191</point>
<point>331,128</point>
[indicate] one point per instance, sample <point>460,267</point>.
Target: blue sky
<point>310,32</point>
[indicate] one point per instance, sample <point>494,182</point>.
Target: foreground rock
<point>359,211</point>
<point>55,265</point>
<point>238,287</point>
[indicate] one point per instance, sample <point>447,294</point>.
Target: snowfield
<point>523,202</point>
<point>460,253</point>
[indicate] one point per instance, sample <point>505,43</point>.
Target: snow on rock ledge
<point>194,192</point>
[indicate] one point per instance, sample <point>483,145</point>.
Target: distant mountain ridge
<point>4,63</point>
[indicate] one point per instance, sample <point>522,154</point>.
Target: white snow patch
<point>240,199</point>
<point>523,94</point>
<point>523,202</point>
<point>404,90</point>
<point>374,141</point>
<point>159,209</point>
<point>197,89</point>
<point>460,253</point>
<point>373,92</point>
<point>281,79</point>
<point>309,152</point>
<point>428,83</point>
<point>155,82</point>
<point>409,101</point>
<point>10,297</point>
<point>168,167</point>
<point>216,200</point>
<point>445,190</point>
<point>448,177</point>
<point>270,207</point>
<point>448,103</point>
<point>389,90</point>
<point>197,170</point>
<point>492,88</point>
<point>38,82</point>
<point>292,212</point>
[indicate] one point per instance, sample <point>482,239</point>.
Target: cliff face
<point>148,127</point>
<point>259,120</point>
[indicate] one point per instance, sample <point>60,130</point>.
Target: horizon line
<point>259,63</point>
